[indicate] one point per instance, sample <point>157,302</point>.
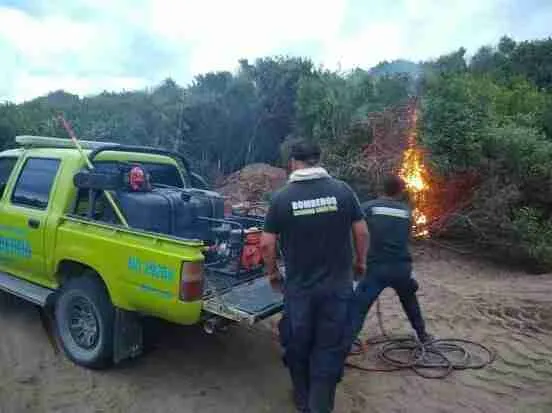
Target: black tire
<point>85,321</point>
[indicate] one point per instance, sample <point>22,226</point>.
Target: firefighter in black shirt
<point>389,260</point>
<point>313,216</point>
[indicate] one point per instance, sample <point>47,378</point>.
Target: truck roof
<point>51,142</point>
<point>64,148</point>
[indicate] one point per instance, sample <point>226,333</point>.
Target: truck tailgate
<point>248,302</point>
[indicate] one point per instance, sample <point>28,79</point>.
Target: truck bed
<point>237,296</point>
<point>220,280</point>
<point>248,298</point>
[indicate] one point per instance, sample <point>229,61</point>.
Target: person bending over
<point>389,263</point>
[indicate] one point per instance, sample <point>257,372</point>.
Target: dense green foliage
<point>493,117</point>
<point>491,114</point>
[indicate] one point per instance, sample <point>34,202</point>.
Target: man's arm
<point>360,241</point>
<point>269,240</point>
<point>360,234</point>
<point>268,247</point>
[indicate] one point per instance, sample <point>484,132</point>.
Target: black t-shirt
<point>389,224</point>
<point>314,219</point>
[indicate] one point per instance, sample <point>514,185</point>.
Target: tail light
<point>191,281</point>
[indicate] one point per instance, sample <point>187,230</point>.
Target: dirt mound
<point>251,184</point>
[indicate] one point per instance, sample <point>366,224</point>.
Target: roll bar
<point>197,180</point>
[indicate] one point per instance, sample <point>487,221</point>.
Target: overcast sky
<point>86,46</point>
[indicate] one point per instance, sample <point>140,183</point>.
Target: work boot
<point>426,338</point>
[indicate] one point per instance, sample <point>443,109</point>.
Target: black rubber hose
<point>432,360</point>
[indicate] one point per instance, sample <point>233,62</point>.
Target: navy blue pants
<point>315,336</point>
<point>380,276</point>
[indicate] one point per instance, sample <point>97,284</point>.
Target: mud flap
<point>48,324</point>
<point>128,335</point>
<point>249,302</point>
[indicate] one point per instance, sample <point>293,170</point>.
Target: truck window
<point>35,183</point>
<point>161,174</point>
<point>6,168</point>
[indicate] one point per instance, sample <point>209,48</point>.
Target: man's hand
<point>276,281</point>
<point>359,268</point>
<point>268,246</point>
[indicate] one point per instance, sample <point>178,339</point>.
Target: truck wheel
<point>84,319</point>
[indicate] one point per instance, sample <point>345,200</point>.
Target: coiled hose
<point>435,359</point>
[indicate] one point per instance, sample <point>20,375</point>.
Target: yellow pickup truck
<point>163,246</point>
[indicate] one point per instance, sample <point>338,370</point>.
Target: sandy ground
<point>240,371</point>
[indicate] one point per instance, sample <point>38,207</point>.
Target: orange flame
<point>414,173</point>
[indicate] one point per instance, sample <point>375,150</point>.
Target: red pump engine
<point>252,255</point>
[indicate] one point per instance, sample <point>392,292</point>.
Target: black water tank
<point>150,211</point>
<point>172,211</point>
<point>207,204</point>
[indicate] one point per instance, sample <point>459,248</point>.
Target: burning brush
<point>413,171</point>
<point>435,199</point>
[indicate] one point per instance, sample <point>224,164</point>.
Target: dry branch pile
<point>250,187</point>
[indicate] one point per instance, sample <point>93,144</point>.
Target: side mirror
<point>198,181</point>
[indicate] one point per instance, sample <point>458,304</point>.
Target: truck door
<point>7,165</point>
<point>23,219</point>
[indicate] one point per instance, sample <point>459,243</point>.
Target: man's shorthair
<point>393,185</point>
<point>305,151</point>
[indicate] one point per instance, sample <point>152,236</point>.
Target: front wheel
<point>84,318</point>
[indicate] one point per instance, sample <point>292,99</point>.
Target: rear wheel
<point>85,321</point>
